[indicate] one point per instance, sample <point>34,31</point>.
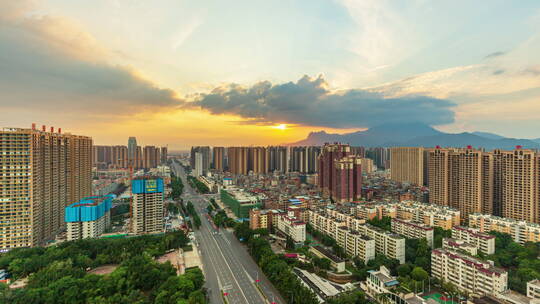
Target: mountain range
<point>417,135</point>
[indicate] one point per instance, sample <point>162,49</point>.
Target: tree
<point>419,274</point>
<point>404,270</point>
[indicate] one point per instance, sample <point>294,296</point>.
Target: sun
<point>280,127</point>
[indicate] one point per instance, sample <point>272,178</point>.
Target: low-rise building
<point>533,289</point>
<point>390,244</point>
<point>335,262</point>
<point>413,230</point>
<point>485,242</point>
<point>431,215</point>
<point>239,201</point>
<point>521,231</point>
<point>260,219</point>
<point>355,244</point>
<point>292,227</point>
<point>467,273</point>
<point>459,245</point>
<point>380,281</point>
<point>88,218</point>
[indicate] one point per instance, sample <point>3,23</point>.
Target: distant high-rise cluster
<point>256,160</point>
<point>504,183</point>
<point>200,160</point>
<point>41,172</point>
<point>121,157</point>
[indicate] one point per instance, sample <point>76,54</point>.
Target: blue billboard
<point>153,185</point>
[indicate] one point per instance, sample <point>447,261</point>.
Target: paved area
<point>227,265</point>
<point>105,269</point>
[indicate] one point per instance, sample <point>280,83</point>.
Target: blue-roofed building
<point>147,209</point>
<point>89,217</point>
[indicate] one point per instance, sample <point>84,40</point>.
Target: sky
<point>183,73</point>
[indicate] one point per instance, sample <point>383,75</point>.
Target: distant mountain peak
<point>415,134</point>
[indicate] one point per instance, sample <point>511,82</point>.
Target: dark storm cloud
<point>46,62</point>
<point>309,102</point>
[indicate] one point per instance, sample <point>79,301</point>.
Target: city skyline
<point>186,74</point>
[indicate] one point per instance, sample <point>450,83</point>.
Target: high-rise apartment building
<point>462,178</point>
<point>517,185</point>
<point>88,218</point>
<point>238,159</point>
<point>278,159</point>
<point>198,168</point>
<point>407,165</point>
<point>258,160</point>
<point>132,150</point>
<point>347,179</point>
<point>164,154</point>
<point>151,157</point>
<point>218,158</point>
<point>381,157</point>
<point>330,153</point>
<point>205,152</point>
<point>147,208</point>
<point>304,159</point>
<point>40,174</point>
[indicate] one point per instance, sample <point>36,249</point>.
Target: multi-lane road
<point>229,269</point>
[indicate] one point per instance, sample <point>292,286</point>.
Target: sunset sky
<point>266,72</point>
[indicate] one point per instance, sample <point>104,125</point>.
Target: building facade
<point>468,274</point>
<point>521,231</point>
<point>41,172</point>
<point>485,242</point>
<point>218,158</point>
<point>407,165</point>
<point>462,179</point>
<point>347,180</point>
<point>413,230</point>
<point>147,206</point>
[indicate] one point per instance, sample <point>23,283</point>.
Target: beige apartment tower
<point>40,174</point>
<point>462,179</point>
<point>517,183</point>
<point>407,165</point>
<point>218,157</point>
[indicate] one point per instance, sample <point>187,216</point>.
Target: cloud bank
<point>50,63</point>
<point>310,102</point>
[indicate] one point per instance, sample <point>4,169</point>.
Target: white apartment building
<point>355,244</point>
<point>387,243</point>
<point>429,214</point>
<point>521,231</point>
<point>292,227</point>
<point>413,230</point>
<point>468,274</point>
<point>485,242</point>
<point>533,289</point>
<point>457,245</point>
